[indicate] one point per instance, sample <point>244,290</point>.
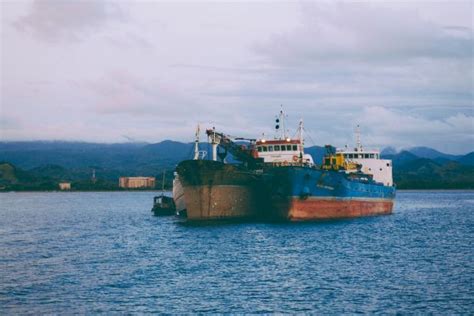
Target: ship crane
<point>246,155</point>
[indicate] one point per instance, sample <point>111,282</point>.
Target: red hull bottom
<point>321,209</point>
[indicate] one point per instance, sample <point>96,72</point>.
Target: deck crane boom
<point>247,155</point>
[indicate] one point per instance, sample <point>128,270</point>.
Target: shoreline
<point>82,191</point>
<point>169,191</point>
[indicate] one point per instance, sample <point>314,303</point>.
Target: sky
<point>118,71</point>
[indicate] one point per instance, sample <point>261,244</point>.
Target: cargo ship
<point>276,180</point>
<point>348,183</point>
<point>303,193</point>
<point>216,190</point>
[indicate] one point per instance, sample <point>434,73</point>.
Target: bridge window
<point>295,147</point>
<point>277,147</point>
<point>270,148</point>
<point>259,148</point>
<point>372,156</point>
<point>265,149</point>
<point>283,148</point>
<point>366,156</point>
<point>288,147</point>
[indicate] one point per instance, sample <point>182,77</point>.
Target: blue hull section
<point>304,193</point>
<point>304,182</point>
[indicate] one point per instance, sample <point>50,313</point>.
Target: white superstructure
<point>282,149</point>
<point>380,169</point>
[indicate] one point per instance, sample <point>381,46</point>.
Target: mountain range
<point>37,164</point>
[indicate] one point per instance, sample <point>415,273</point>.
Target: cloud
<point>9,123</point>
<point>121,92</point>
<point>95,70</point>
<point>452,134</point>
<point>53,20</point>
<point>365,32</point>
<point>379,53</point>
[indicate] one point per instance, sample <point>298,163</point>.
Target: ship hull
<point>178,196</point>
<point>206,202</point>
<point>217,191</point>
<point>305,194</point>
<point>320,208</point>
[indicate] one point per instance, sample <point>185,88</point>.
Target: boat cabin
<point>284,151</point>
<point>364,155</point>
<point>370,163</point>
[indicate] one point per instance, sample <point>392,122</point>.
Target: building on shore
<point>65,186</point>
<point>137,182</point>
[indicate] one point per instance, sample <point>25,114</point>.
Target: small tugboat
<point>163,205</point>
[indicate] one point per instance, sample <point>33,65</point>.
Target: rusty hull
<point>220,202</point>
<point>314,208</point>
<point>214,190</point>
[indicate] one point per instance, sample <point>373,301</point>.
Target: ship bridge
<point>285,151</point>
<point>371,154</point>
<point>380,169</point>
<point>369,160</point>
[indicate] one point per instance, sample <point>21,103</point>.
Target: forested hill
<point>42,164</point>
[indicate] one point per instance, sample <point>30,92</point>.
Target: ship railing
<point>287,163</point>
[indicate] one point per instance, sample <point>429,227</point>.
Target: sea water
<point>106,253</point>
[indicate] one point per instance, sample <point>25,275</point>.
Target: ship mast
<point>163,183</point>
<point>358,144</point>
<point>215,140</point>
<point>196,143</point>
<point>301,138</point>
<point>281,120</point>
<point>300,132</point>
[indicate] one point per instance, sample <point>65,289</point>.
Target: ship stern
<point>217,191</point>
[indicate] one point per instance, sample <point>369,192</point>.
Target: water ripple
<point>105,253</point>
